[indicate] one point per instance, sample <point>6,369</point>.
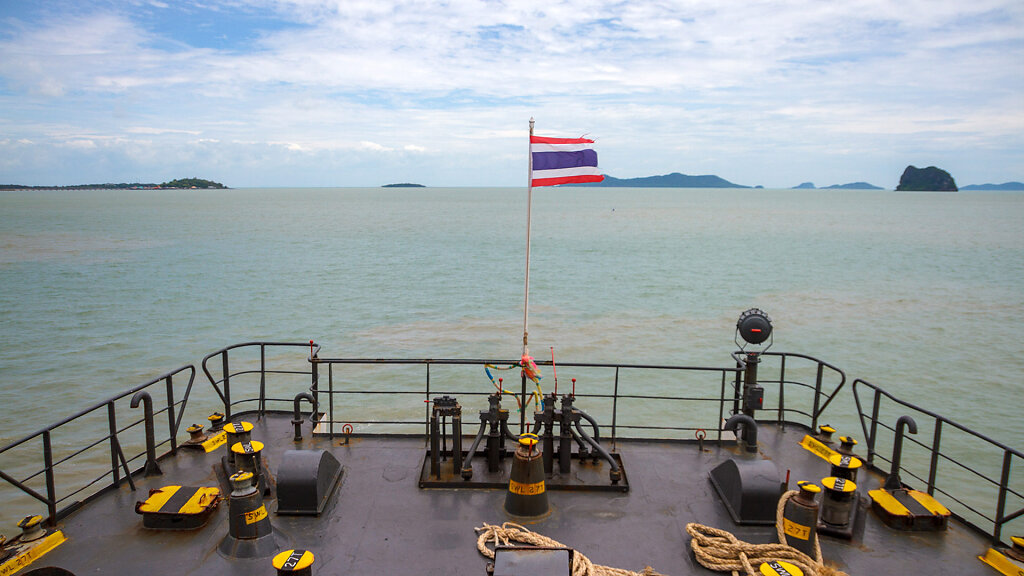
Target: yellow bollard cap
<point>528,440</point>
<point>291,560</point>
<point>253,447</point>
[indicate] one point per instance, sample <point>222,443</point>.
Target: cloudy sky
<point>368,92</point>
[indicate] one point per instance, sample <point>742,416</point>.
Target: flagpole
<point>529,202</point>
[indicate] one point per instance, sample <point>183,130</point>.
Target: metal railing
<point>222,385</point>
<point>116,436</point>
<point>962,498</point>
<point>328,385</point>
<point>823,371</point>
<point>799,388</point>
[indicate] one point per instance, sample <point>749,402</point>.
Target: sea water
<point>920,293</point>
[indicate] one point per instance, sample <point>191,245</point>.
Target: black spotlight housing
<point>754,326</point>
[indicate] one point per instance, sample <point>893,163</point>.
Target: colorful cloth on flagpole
<point>563,161</point>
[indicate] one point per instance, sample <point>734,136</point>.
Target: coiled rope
<point>721,551</point>
<point>581,565</point>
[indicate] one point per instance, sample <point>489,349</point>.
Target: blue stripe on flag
<point>556,160</point>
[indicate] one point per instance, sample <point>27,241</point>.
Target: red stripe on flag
<point>567,180</point>
<point>546,140</point>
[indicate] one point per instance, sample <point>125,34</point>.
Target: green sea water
<point>919,293</point>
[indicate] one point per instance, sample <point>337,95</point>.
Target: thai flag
<point>562,161</point>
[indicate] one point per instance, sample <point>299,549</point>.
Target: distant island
<point>930,179</point>
<point>403,185</point>
<point>853,186</point>
<point>1003,186</point>
<point>673,180</point>
<point>850,186</point>
<point>180,184</point>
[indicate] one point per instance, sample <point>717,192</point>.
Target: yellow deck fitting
<point>1002,563</point>
<point>909,510</point>
<point>297,562</point>
<point>779,568</point>
<point>216,441</point>
<point>178,507</point>
<point>28,552</point>
<point>819,449</point>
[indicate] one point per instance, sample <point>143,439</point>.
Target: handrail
<point>119,463</point>
<point>226,374</point>
<point>819,407</point>
<point>870,424</point>
<point>728,376</point>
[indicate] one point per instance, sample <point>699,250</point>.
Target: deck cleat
<point>196,437</point>
<point>31,528</point>
<point>237,432</point>
<point>29,546</point>
<point>846,444</point>
<point>845,466</point>
<point>249,458</point>
<point>838,507</point>
<point>1017,551</point>
<point>216,421</point>
<point>178,507</point>
<point>910,510</point>
<point>294,563</point>
<point>900,507</point>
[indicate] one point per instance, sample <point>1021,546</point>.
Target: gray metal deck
<point>380,522</point>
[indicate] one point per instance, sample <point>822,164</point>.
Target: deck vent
<point>305,481</point>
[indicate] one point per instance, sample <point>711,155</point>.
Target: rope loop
<point>719,550</point>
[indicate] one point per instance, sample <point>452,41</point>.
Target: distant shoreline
<point>179,184</point>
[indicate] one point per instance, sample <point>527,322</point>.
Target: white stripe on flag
<point>563,172</point>
<point>540,147</point>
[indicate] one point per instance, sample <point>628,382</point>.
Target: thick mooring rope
<point>581,565</point>
<point>721,551</point>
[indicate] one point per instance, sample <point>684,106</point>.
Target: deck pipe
<point>152,469</point>
<point>297,414</point>
<point>892,481</point>
<point>494,417</point>
<point>748,434</point>
<point>614,474</point>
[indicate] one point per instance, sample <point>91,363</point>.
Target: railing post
<point>934,467</point>
<point>817,396</point>
<point>112,426</point>
<point>1004,482</point>
<point>314,373</point>
<point>263,378</point>
<point>721,404</point>
<point>873,435</point>
<point>330,398</point>
<point>736,389</point>
<point>51,488</point>
<point>171,421</point>
<point>782,393</point>
<point>427,402</point>
<point>615,406</point>
<point>227,384</point>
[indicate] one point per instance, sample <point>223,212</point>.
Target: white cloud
<point>666,86</point>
